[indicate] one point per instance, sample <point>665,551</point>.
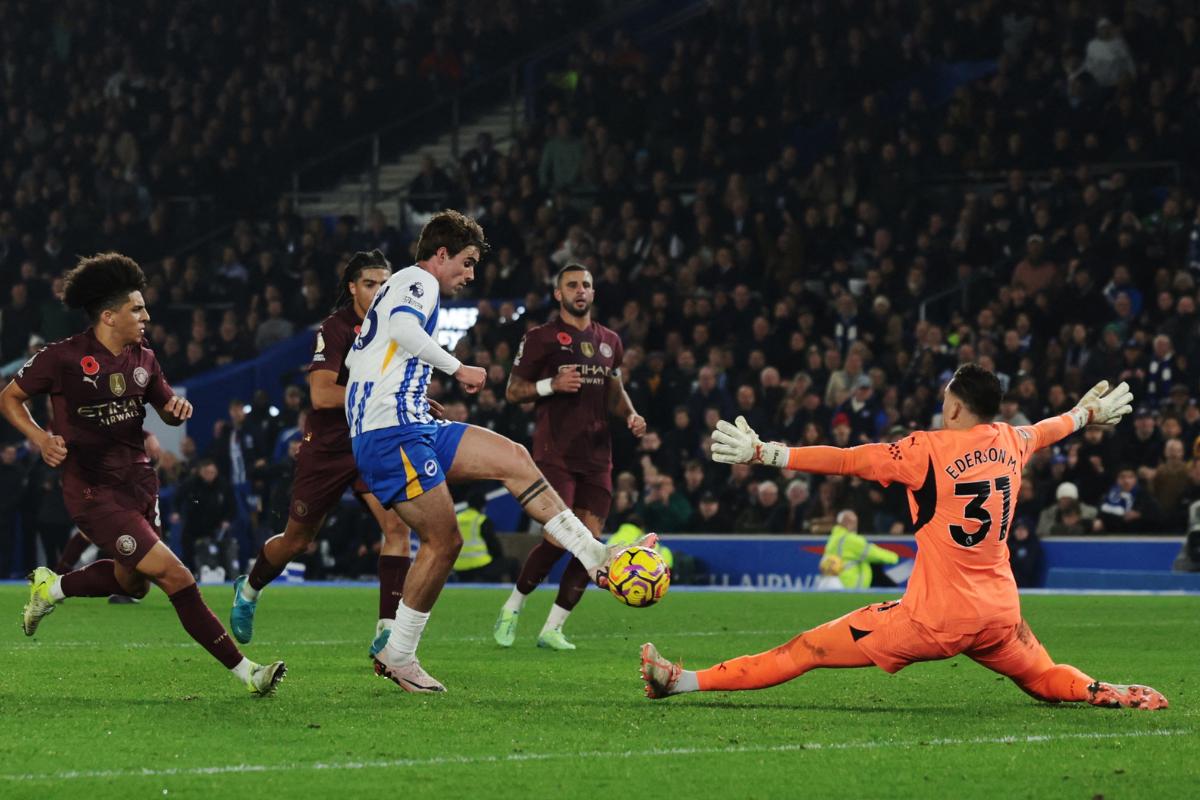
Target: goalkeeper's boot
<point>600,573</point>
<point>1116,695</point>
<point>505,629</point>
<point>40,603</point>
<point>409,676</point>
<point>659,674</point>
<point>553,639</point>
<point>241,616</point>
<point>264,678</point>
<point>383,629</point>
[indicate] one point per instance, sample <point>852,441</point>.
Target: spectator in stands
<point>1108,59</point>
<point>766,515</point>
<point>709,517</point>
<point>1169,483</point>
<point>1143,445</point>
<point>665,510</point>
<point>274,329</point>
<point>1128,507</point>
<point>1025,555</point>
<point>1068,516</point>
<point>562,158</point>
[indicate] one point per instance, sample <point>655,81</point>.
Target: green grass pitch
<point>116,702</point>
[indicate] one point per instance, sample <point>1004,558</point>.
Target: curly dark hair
<point>452,230</point>
<point>102,283</point>
<point>374,259</point>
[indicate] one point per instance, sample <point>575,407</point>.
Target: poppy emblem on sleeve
<point>90,365</point>
<point>564,339</point>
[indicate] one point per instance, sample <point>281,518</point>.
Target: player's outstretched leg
<point>72,552</point>
<point>485,455</point>
<point>1019,655</point>
<point>162,567</point>
<point>830,645</point>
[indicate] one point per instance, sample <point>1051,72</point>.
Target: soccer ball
<point>638,577</point>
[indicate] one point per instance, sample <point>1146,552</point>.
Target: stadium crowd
<point>824,292</point>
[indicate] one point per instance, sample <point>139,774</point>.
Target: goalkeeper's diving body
<point>963,483</point>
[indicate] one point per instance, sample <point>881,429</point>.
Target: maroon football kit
<point>571,441</point>
<point>98,401</point>
<point>325,464</point>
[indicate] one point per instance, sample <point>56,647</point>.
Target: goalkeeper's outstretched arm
<point>1099,406</point>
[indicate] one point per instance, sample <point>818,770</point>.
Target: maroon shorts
<point>582,491</point>
<point>121,520</point>
<point>320,480</point>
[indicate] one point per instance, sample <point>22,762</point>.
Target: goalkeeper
<point>963,482</point>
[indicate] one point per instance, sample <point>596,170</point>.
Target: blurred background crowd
<point>781,222</point>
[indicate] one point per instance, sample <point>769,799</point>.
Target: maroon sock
<point>538,563</point>
<point>392,571</point>
<point>263,571</point>
<point>98,579</point>
<point>203,626</point>
<point>71,553</point>
<point>572,585</point>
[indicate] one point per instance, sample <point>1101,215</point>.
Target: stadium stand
<point>1008,186</point>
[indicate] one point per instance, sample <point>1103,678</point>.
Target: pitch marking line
<point>236,769</point>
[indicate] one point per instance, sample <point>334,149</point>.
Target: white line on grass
<point>465,760</point>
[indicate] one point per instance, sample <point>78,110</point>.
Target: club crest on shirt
<point>587,349</point>
<point>606,350</point>
<point>116,383</point>
<point>141,377</point>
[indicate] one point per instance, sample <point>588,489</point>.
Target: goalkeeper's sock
<point>1060,682</point>
<point>686,682</point>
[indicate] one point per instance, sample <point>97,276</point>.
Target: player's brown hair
<point>978,388</point>
<point>451,230</point>
<point>374,259</point>
<point>102,283</point>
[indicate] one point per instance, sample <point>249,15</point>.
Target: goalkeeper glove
<point>1102,407</point>
<point>739,444</point>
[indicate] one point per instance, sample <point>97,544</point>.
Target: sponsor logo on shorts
<point>141,377</point>
<point>126,545</point>
<point>587,349</point>
<point>606,350</point>
<point>116,383</point>
<point>300,509</point>
<point>431,468</point>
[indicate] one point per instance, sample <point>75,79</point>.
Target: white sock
<point>515,601</point>
<point>243,669</point>
<point>688,682</point>
<point>381,625</point>
<point>572,534</point>
<point>56,592</point>
<point>248,592</point>
<point>406,634</point>
<point>558,615</point>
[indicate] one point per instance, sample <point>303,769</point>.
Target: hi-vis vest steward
<point>474,553</point>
